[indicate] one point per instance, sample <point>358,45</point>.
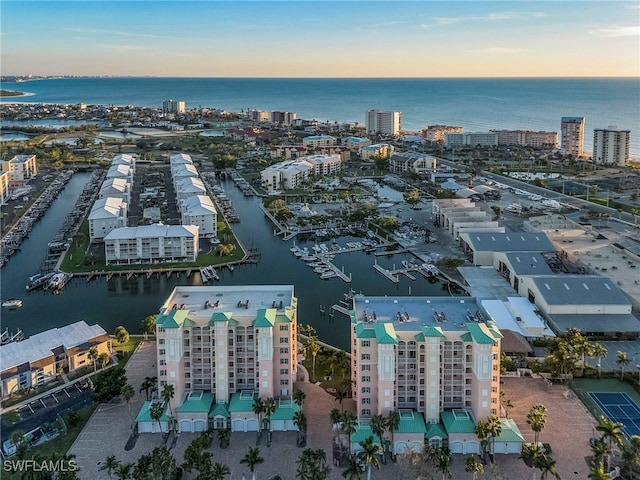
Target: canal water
<point>126,302</point>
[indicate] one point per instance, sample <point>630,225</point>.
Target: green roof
<point>510,432</point>
<point>144,415</point>
<point>362,433</point>
<point>458,421</point>
<point>364,332</point>
<point>435,430</point>
<point>220,317</point>
<point>172,319</point>
<point>219,410</point>
<point>430,332</point>
<point>385,333</point>
<point>286,317</point>
<point>285,410</point>
<point>266,318</point>
<point>242,402</point>
<point>481,333</point>
<point>411,422</point>
<point>196,402</point>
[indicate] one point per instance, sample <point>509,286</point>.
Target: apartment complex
<point>527,138</point>
<point>572,134</point>
<point>280,118</point>
<point>21,168</point>
<point>410,162</point>
<point>435,133</point>
<point>4,187</point>
<point>318,141</point>
<point>383,122</point>
<point>291,173</point>
<point>382,150</point>
<point>454,139</point>
<point>107,214</point>
<point>426,356</point>
<point>234,343</point>
<point>42,357</point>
<point>611,146</point>
<point>173,106</point>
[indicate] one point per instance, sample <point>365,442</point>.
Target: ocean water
<point>475,104</point>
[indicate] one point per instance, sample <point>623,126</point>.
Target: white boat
<point>204,275</point>
<point>212,273</point>
<point>58,281</point>
<point>327,275</point>
<point>12,303</point>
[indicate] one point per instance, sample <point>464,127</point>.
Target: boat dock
<point>341,309</point>
<point>386,273</point>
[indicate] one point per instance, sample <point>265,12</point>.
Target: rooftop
<point>509,242</point>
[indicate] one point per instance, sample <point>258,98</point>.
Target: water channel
<point>126,302</point>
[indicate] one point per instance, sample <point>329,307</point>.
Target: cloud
<point>498,50</point>
<point>113,32</point>
<point>385,24</point>
<point>617,31</point>
<point>490,17</point>
<point>122,48</point>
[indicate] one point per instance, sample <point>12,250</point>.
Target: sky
<point>301,38</point>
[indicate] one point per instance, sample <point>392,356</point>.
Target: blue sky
<point>321,38</point>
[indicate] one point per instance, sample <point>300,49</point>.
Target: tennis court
<point>619,407</point>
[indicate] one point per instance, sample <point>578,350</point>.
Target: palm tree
<point>252,459</point>
<point>156,410</point>
<point>300,420</point>
<point>443,461</point>
<point>537,419</point>
<point>124,471</point>
<point>312,465</point>
<point>127,392</point>
<point>298,398</point>
<point>313,347</point>
<point>393,423</point>
<point>353,470</point>
<point>223,437</point>
<point>482,432</point>
<point>597,473</point>
<point>495,429</point>
<point>340,396</point>
<point>473,466</point>
<point>600,352</point>
<point>110,465</point>
<point>611,433</point>
<point>269,409</point>
<point>335,417</point>
<point>104,359</point>
<point>258,409</point>
<point>530,454</point>
<point>631,455</point>
<point>148,385</point>
<point>168,391</point>
<point>148,325</point>
<point>623,360</point>
<point>600,451</point>
<point>369,455</point>
<point>378,427</point>
<point>93,356</point>
<point>349,422</point>
<point>219,471</point>
<point>547,466</point>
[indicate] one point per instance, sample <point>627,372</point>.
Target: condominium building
<point>611,146</point>
<point>42,357</point>
<point>435,133</point>
<point>356,144</point>
<point>121,171</point>
<point>572,134</point>
<point>152,244</point>
<point>116,188</point>
<point>125,159</point>
<point>291,173</point>
<point>410,162</point>
<point>318,141</point>
<point>106,215</point>
<point>282,118</point>
<point>21,168</point>
<point>527,138</point>
<point>173,106</point>
<point>228,345</point>
<point>382,150</point>
<point>4,187</point>
<point>199,210</point>
<point>383,122</point>
<point>425,356</point>
<point>259,116</point>
<point>454,139</point>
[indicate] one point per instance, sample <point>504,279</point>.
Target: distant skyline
<point>321,38</point>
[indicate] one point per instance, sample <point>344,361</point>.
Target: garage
<point>252,425</point>
<point>247,425</point>
<point>185,426</point>
<point>510,439</point>
<point>199,426</point>
<point>146,424</point>
<point>237,425</point>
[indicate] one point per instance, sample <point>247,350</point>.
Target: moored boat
<point>12,303</point>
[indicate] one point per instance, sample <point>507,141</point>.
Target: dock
<point>341,309</point>
<point>386,273</point>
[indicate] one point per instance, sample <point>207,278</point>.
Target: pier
<point>341,309</point>
<point>386,273</point>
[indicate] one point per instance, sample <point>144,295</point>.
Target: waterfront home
<point>42,357</point>
<point>221,347</point>
<point>125,159</point>
<point>116,188</point>
<point>106,215</point>
<point>120,171</point>
<point>199,210</point>
<point>155,243</point>
<point>187,187</point>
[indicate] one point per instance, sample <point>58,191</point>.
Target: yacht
<point>12,303</point>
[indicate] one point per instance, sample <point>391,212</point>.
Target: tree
<point>378,427</point>
<point>298,397</point>
<point>473,466</point>
<point>353,470</point>
<point>547,466</point>
<point>156,410</point>
<point>122,336</point>
<point>411,197</point>
<point>349,423</point>
<point>369,455</point>
<point>127,392</point>
<point>148,386</point>
<point>495,429</point>
<point>258,408</point>
<point>93,356</point>
<point>168,391</point>
<point>224,435</point>
<point>537,419</point>
<point>631,455</point>
<point>108,384</point>
<point>600,451</point>
<point>623,360</point>
<point>340,396</point>
<point>148,325</point>
<point>530,454</point>
<point>611,432</point>
<point>313,347</point>
<point>312,465</point>
<point>219,471</point>
<point>443,461</point>
<point>110,465</point>
<point>393,423</point>
<point>196,456</point>
<point>103,358</point>
<point>269,409</point>
<point>482,432</point>
<point>597,473</point>
<point>335,417</point>
<point>17,438</point>
<point>600,352</point>
<point>124,471</point>
<point>252,459</point>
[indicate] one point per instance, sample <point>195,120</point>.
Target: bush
<point>108,384</point>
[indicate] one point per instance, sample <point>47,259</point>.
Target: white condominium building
<point>4,187</point>
<point>116,187</point>
<point>435,133</point>
<point>125,159</point>
<point>318,141</point>
<point>382,150</point>
<point>572,133</point>
<point>180,158</point>
<point>527,138</point>
<point>611,146</point>
<point>106,215</point>
<point>21,168</point>
<point>453,139</point>
<point>173,106</point>
<point>199,210</point>
<point>152,244</point>
<point>291,173</point>
<point>236,343</point>
<point>383,122</point>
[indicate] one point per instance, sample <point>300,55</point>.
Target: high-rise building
<point>173,106</point>
<point>384,122</point>
<point>435,133</point>
<point>572,133</point>
<point>611,146</point>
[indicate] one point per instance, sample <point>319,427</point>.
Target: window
<point>161,341</point>
<point>366,412</point>
<point>284,350</point>
<point>284,371</point>
<point>284,328</point>
<point>163,373</point>
<point>365,343</point>
<point>365,356</point>
<point>366,389</point>
<point>284,361</point>
<point>284,340</point>
<point>284,381</point>
<point>366,401</point>
<point>162,362</point>
<point>366,368</point>
<point>161,351</point>
<point>366,378</point>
